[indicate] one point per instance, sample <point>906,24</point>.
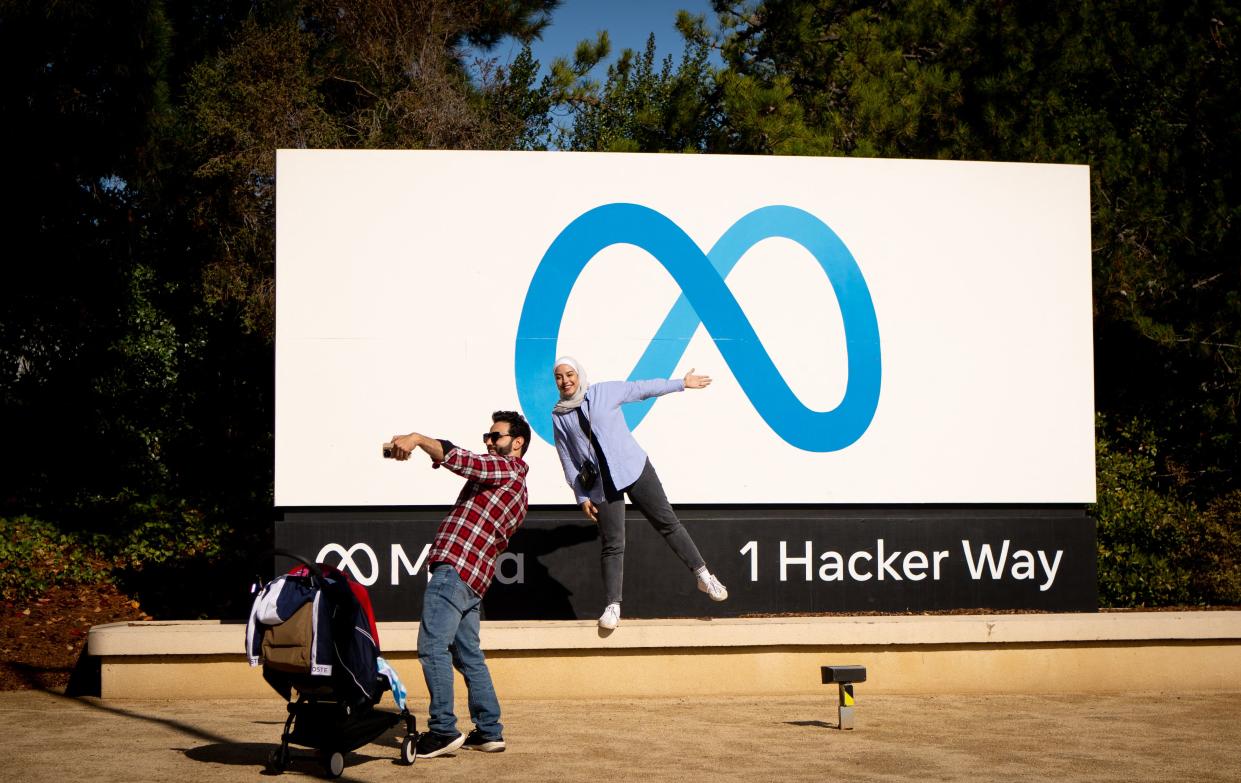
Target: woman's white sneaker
<point>712,587</point>
<point>610,617</point>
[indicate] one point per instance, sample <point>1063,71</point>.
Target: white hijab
<point>567,404</point>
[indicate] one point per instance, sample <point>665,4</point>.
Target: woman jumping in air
<point>603,463</point>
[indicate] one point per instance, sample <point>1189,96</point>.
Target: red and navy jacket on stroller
<point>314,633</point>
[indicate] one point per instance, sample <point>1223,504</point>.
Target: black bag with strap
<point>589,474</point>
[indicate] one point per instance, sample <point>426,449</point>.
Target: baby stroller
<point>314,633</point>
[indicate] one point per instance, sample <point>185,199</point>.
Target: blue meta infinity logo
<point>706,300</point>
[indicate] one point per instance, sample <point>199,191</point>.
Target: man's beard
<point>504,451</point>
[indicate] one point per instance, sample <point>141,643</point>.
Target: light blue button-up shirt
<point>601,405</point>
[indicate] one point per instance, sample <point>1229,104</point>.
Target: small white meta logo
<point>361,561</point>
<point>346,561</point>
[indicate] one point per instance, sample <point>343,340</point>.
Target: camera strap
<point>590,438</point>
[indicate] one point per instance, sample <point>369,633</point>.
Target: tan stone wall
<point>1108,667</point>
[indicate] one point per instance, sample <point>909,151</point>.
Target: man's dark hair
<point>517,426</point>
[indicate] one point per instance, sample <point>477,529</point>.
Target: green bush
<point>1154,547</point>
<point>160,531</point>
<point>150,545</point>
<point>35,556</point>
<point>1216,543</point>
<point>161,543</point>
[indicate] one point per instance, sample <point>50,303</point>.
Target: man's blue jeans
<point>448,637</point>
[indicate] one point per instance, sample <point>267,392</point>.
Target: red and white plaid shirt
<point>490,508</point>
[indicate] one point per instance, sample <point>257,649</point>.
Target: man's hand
<point>403,445</point>
<point>590,511</point>
<point>696,381</point>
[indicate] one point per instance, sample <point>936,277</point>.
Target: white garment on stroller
<point>277,602</point>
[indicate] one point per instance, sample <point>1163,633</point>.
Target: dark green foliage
<point>1156,549</point>
<point>515,105</point>
<point>1216,547</point>
<point>1141,528</point>
<point>136,341</point>
<point>35,556</point>
<point>642,107</point>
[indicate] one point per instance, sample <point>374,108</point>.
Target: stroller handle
<point>314,569</point>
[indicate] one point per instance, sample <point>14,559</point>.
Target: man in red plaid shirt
<point>462,561</point>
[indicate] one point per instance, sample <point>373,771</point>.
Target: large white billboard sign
<point>878,331</point>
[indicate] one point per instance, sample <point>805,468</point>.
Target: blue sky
<point>628,23</point>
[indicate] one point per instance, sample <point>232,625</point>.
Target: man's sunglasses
<point>494,437</point>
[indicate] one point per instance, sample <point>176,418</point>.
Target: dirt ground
<point>41,639</point>
<point>1131,737</point>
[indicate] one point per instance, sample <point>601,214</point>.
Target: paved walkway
<point>1131,737</point>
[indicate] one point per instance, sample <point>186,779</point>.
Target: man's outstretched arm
<point>403,446</point>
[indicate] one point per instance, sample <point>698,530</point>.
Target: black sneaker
<point>431,745</point>
<point>476,741</point>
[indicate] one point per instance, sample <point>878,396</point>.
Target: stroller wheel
<point>278,759</point>
<point>335,763</point>
<point>408,752</point>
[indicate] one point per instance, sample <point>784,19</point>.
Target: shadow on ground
<point>815,723</point>
<point>255,754</point>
